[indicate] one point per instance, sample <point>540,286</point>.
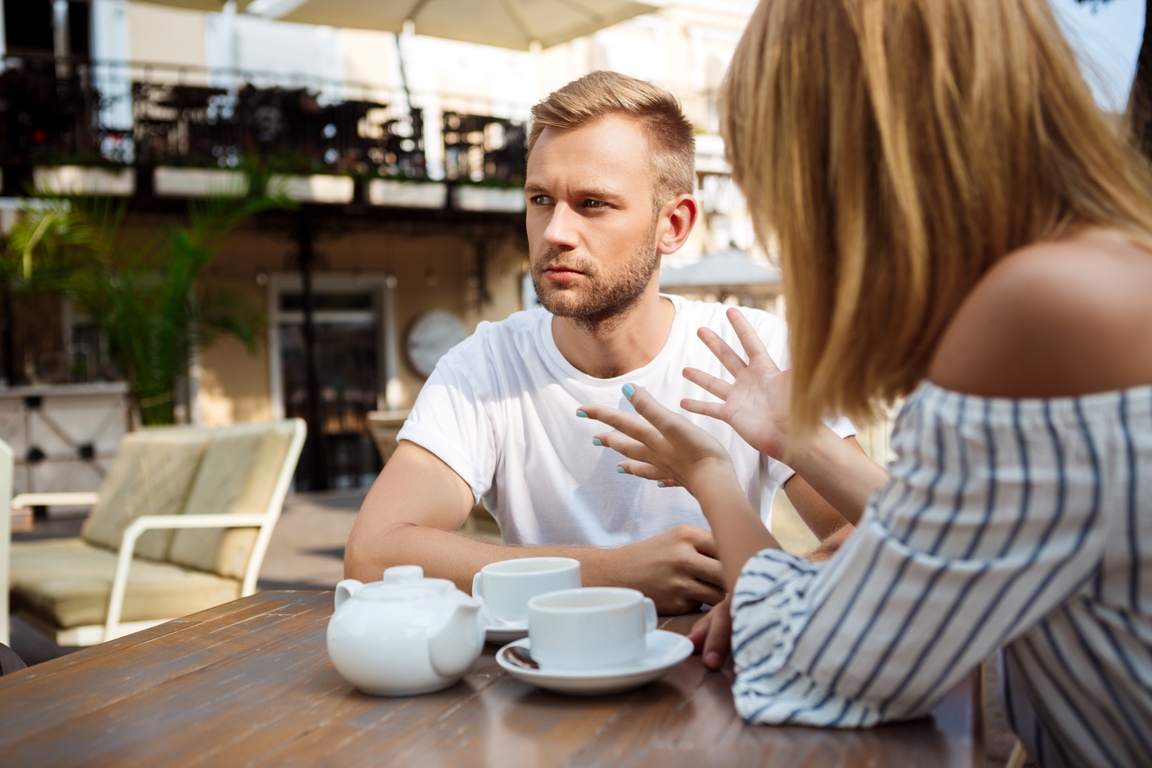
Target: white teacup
<point>591,628</point>
<point>506,587</point>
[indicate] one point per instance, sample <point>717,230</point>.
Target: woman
<point>958,225</point>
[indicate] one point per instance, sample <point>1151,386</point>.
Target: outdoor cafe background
<point>403,152</point>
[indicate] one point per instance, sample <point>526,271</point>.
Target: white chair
<point>181,523</point>
<point>6,461</point>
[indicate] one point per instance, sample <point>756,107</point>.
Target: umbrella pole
<point>403,72</point>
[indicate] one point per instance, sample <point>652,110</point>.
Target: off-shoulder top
<point>1021,525</point>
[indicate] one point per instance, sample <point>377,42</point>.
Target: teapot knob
<point>403,574</point>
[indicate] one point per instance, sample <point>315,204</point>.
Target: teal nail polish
<point>660,484</point>
<point>629,390</point>
<point>620,470</point>
<point>596,441</point>
<point>581,415</point>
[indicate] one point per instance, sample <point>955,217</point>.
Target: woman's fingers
<point>644,470</point>
<point>625,446</point>
<point>633,426</point>
<point>749,339</point>
<point>708,382</point>
<point>704,408</point>
<point>728,358</point>
<point>653,412</point>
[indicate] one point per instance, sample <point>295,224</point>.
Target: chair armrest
<point>154,522</point>
<point>65,499</point>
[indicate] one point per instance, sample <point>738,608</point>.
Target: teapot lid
<point>403,583</point>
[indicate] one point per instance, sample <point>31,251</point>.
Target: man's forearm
<point>840,472</point>
<point>671,567</point>
<point>453,556</point>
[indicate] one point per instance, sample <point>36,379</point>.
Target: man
<point>609,191</point>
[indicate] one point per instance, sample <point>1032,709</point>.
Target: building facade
<point>402,153</point>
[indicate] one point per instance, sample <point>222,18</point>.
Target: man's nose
<point>562,230</point>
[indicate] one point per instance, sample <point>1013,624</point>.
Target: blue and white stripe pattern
<point>1017,524</point>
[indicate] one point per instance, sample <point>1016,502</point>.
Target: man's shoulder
<point>713,314</point>
<point>497,342</point>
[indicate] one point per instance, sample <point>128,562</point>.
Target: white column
<point>110,56</point>
<point>6,459</point>
<point>60,43</point>
<point>3,36</point>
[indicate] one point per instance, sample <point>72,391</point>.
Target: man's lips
<point>562,274</point>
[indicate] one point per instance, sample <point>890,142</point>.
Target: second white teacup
<point>506,587</point>
<point>591,628</point>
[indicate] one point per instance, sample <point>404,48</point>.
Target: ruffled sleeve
<point>990,521</point>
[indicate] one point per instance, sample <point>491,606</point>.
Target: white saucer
<point>500,632</point>
<point>665,650</point>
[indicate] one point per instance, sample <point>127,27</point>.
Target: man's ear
<point>677,218</point>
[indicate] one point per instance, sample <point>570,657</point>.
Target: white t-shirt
<point>500,410</point>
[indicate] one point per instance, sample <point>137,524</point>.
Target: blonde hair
<point>893,150</point>
<point>671,139</point>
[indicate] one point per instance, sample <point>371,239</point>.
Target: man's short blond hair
<point>670,136</point>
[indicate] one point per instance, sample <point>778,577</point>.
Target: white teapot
<point>404,635</point>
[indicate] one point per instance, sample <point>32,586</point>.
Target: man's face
<point>591,219</point>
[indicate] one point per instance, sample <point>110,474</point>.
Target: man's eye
<point>594,203</point>
<point>541,200</point>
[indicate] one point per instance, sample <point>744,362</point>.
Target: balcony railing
<point>57,112</point>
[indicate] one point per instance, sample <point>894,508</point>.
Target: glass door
<point>347,353</point>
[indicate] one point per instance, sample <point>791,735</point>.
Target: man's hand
<point>712,634</point>
<point>678,569</point>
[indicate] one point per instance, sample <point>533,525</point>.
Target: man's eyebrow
<point>595,193</point>
<point>598,193</point>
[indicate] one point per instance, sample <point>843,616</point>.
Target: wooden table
<point>250,683</point>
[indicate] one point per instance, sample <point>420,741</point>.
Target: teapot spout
<point>457,644</point>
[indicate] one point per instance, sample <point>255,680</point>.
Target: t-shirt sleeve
<point>450,419</point>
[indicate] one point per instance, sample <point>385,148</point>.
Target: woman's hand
<point>661,445</point>
<point>756,403</point>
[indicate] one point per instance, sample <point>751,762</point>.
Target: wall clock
<point>430,335</point>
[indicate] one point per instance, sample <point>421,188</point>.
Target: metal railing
<point>58,111</point>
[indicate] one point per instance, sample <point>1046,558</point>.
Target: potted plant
<point>149,301</point>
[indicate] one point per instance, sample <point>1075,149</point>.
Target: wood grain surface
<point>250,683</point>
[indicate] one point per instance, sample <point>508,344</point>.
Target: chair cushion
<point>67,582</point>
<point>237,476</point>
<point>152,475</point>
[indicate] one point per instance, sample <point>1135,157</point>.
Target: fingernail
<point>581,415</point>
<point>629,390</point>
<point>712,659</point>
<point>620,470</point>
<point>660,484</point>
<point>596,441</point>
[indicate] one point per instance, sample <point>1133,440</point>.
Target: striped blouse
<point>1022,525</point>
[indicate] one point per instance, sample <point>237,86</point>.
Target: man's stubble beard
<point>601,306</point>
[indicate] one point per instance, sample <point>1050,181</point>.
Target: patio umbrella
<point>729,270</point>
<point>512,24</point>
<point>195,5</point>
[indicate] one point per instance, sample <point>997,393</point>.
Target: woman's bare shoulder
<point>1064,318</point>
